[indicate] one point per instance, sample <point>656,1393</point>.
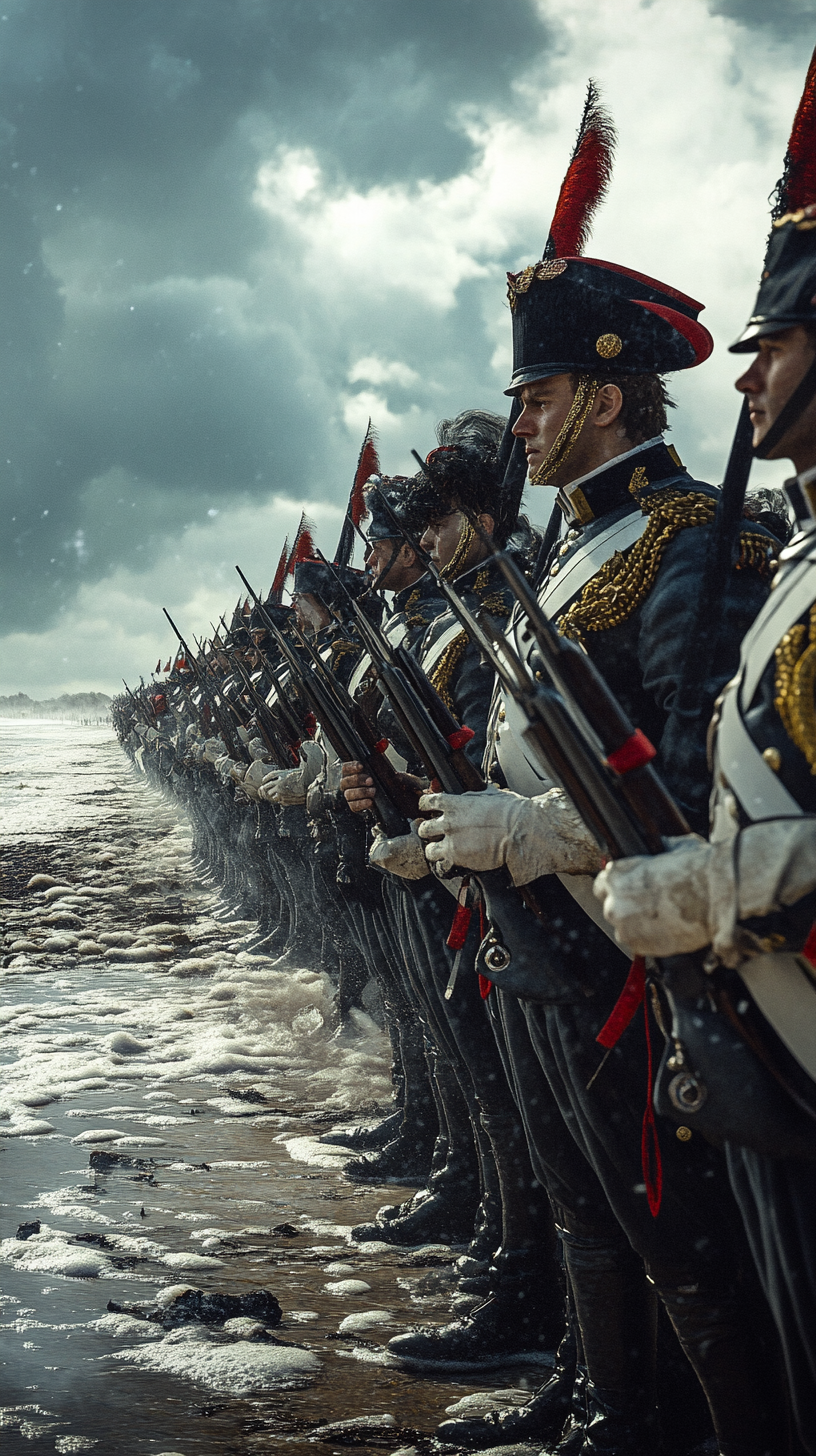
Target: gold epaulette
<point>794,686</point>
<point>495,605</point>
<point>624,581</point>
<point>756,552</point>
<point>442,672</point>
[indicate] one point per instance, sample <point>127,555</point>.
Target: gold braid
<point>794,685</point>
<point>623,582</point>
<point>567,436</point>
<point>756,552</point>
<point>443,670</point>
<point>341,649</point>
<point>466,538</point>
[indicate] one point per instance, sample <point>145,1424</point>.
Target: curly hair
<point>646,401</point>
<point>463,472</point>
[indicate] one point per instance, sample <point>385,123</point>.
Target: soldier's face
<point>781,363</point>
<point>546,404</point>
<point>401,568</point>
<point>441,539</point>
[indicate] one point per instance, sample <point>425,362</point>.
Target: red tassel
<point>461,920</point>
<point>626,1005</point>
<point>651,1159</point>
<point>809,947</point>
<point>458,739</point>
<point>276,589</point>
<point>634,753</point>
<point>381,745</point>
<point>485,986</point>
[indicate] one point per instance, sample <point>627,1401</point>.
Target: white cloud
<point>115,627</point>
<point>703,112</point>
<point>373,370</point>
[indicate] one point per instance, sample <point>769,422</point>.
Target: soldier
<point>749,892</point>
<point>409,1139</point>
<point>516,1291</point>
<point>592,342</point>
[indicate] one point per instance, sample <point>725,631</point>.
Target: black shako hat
<point>319,579</point>
<point>573,314</point>
<point>398,491</point>
<point>787,289</point>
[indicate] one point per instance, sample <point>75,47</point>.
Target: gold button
<point>562,550</point>
<point>554,569</point>
<point>773,758</point>
<point>502,715</point>
<point>684,1134</point>
<point>608,346</point>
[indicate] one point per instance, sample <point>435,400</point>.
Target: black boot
<point>616,1311</point>
<point>437,1219</point>
<point>400,1161</point>
<point>725,1331</point>
<point>541,1419</point>
<point>518,1316</point>
<point>364,1139</point>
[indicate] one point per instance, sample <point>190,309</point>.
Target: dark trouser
<point>694,1251</point>
<point>461,1024</point>
<point>777,1200</point>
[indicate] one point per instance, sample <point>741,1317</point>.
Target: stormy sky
<point>232,230</point>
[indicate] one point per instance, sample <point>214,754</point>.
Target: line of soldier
<point>584,881</point>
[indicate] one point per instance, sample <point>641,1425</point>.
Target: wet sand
<point>140,1035</point>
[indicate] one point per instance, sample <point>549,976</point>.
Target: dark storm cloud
<point>130,137</point>
<point>786,19</point>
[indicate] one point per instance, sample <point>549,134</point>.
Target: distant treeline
<point>93,706</point>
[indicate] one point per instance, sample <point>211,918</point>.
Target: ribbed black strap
<point>789,413</point>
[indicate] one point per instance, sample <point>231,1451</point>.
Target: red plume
<point>280,574</point>
<point>305,546</point>
<point>797,186</point>
<point>584,187</point>
<point>367,465</point>
<point>303,549</point>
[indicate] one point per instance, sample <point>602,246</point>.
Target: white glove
<point>481,831</point>
<point>289,786</point>
<point>694,895</point>
<point>253,778</point>
<point>213,749</point>
<point>403,856</point>
<point>258,748</point>
<point>660,905</point>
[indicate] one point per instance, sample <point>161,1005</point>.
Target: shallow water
<point>136,1048</point>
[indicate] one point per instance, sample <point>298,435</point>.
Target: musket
<point>265,720</point>
<point>221,722</point>
<point>579,732</point>
<point>433,730</point>
<point>295,729</point>
<point>368,744</point>
<point>352,736</point>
